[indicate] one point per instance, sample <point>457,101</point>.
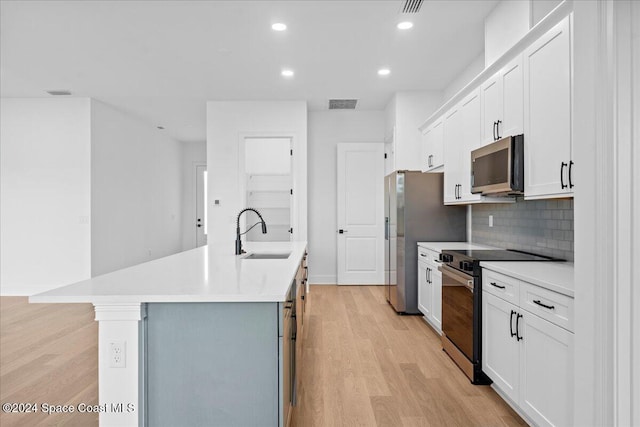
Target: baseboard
<point>322,279</point>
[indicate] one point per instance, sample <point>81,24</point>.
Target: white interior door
<point>360,214</point>
<point>201,205</point>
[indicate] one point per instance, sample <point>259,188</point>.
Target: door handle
<point>494,131</point>
<point>498,129</point>
<point>496,285</point>
<point>518,317</point>
<point>341,231</point>
<point>562,184</point>
<point>541,304</point>
<point>513,334</point>
<point>570,168</point>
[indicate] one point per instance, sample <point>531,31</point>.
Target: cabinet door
<point>512,99</point>
<point>471,135</point>
<point>424,290</point>
<point>491,97</point>
<point>500,351</point>
<point>546,376</point>
<point>425,150</point>
<point>547,113</point>
<point>437,140</point>
<point>436,302</point>
<point>452,157</point>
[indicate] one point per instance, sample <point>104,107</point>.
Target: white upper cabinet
<point>432,146</point>
<point>462,134</point>
<point>470,116</point>
<point>547,114</point>
<point>452,154</point>
<point>502,103</point>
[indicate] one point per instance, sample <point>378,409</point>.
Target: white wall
<point>193,153</point>
<point>228,122</point>
<point>326,130</point>
<point>136,183</point>
<point>507,23</point>
<point>45,194</point>
<point>474,68</point>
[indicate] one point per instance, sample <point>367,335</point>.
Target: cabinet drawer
<point>424,255</point>
<point>501,286</point>
<point>552,306</point>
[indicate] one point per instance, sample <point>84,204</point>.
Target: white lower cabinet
<point>500,351</point>
<point>424,290</point>
<point>430,288</point>
<point>528,358</point>
<point>546,374</point>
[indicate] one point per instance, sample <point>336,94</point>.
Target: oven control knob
<point>446,257</point>
<point>466,266</point>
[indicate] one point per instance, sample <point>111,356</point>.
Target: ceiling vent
<point>342,104</point>
<point>411,6</point>
<point>59,92</point>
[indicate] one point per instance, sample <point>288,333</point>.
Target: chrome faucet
<point>238,234</point>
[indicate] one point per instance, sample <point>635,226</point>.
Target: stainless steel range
<point>462,304</point>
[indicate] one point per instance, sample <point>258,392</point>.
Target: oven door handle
<point>457,276</point>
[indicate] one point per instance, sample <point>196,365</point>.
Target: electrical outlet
<point>490,220</point>
<point>117,354</point>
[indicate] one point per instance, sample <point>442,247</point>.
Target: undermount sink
<point>267,255</point>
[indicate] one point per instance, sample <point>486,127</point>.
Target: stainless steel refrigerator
<point>415,212</point>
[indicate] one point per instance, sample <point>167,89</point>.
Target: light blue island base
<point>213,364</point>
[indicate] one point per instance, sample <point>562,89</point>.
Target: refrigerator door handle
<point>386,228</point>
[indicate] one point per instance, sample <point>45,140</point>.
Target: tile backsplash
<point>540,226</point>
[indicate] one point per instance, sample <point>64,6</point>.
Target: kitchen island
<point>203,337</point>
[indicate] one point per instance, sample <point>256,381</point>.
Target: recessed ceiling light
<point>279,26</point>
<point>59,92</point>
<point>405,25</point>
<point>287,73</point>
<point>384,72</point>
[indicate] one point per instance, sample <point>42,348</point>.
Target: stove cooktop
<point>499,255</point>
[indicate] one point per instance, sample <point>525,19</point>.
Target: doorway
<point>201,205</point>
<point>268,183</point>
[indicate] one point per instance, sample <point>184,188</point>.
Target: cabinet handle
<point>498,129</point>
<point>562,184</point>
<point>518,317</point>
<point>494,131</point>
<point>550,307</point>
<point>423,255</point>
<point>513,334</point>
<point>497,286</point>
<point>570,167</point>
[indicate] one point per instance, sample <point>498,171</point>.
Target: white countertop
<point>440,246</point>
<point>555,276</point>
<point>199,275</point>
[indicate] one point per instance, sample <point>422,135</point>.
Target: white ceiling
<point>162,60</point>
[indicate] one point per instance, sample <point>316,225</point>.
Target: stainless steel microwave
<point>498,168</point>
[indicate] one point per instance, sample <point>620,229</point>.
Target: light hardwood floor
<point>48,354</point>
<point>361,365</point>
<point>364,365</point>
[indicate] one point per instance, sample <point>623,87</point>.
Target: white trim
<point>323,279</point>
<point>635,217</point>
<point>119,312</point>
<point>120,323</point>
<point>607,356</point>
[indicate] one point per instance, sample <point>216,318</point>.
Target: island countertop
<point>205,274</point>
